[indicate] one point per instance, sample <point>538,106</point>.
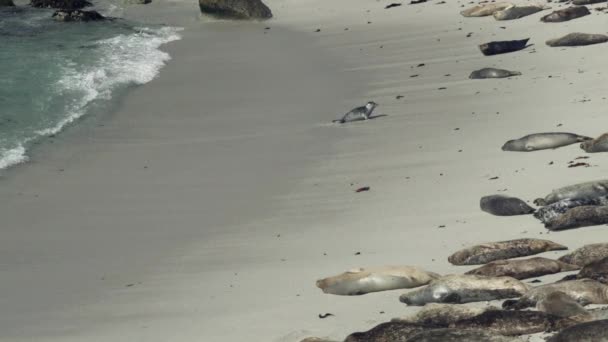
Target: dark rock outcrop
<point>236,9</point>
<point>77,15</point>
<point>6,3</point>
<point>63,4</point>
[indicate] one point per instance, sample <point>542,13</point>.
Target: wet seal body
<point>578,217</point>
<point>359,113</point>
<point>492,73</point>
<point>365,280</point>
<point>505,46</point>
<point>584,291</point>
<point>587,254</point>
<point>543,141</point>
<point>443,314</point>
<point>389,331</point>
<point>560,304</point>
<point>595,331</point>
<point>553,210</point>
<point>578,39</point>
<point>599,144</point>
<point>516,12</point>
<point>577,191</point>
<point>513,323</point>
<point>523,268</point>
<point>458,289</point>
<point>501,205</point>
<point>484,10</point>
<point>492,251</point>
<point>458,335</point>
<point>566,14</point>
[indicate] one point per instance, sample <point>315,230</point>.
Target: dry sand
<point>205,207</point>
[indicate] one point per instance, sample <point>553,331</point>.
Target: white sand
<point>207,205</point>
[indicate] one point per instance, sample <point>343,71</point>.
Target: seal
<point>359,113</point>
<point>587,254</point>
<point>596,270</point>
<point>484,10</point>
<point>578,39</point>
<point>458,289</point>
<point>560,304</point>
<point>584,291</point>
<point>566,14</point>
<point>599,144</point>
<point>505,46</point>
<point>512,323</point>
<point>492,73</point>
<point>577,191</point>
<point>586,2</point>
<point>389,331</point>
<point>553,210</point>
<point>492,251</point>
<point>457,335</point>
<point>365,280</point>
<point>443,314</point>
<point>316,339</point>
<point>543,141</point>
<point>595,331</point>
<point>584,216</point>
<point>516,12</point>
<point>523,268</point>
<point>501,205</point>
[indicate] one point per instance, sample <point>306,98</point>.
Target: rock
<point>566,14</point>
<point>236,9</point>
<point>137,2</point>
<point>6,3</point>
<point>578,39</point>
<point>63,4</point>
<point>516,12</point>
<point>77,15</point>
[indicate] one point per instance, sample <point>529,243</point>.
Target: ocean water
<point>52,74</point>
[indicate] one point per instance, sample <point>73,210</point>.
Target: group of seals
<point>590,189</point>
<point>566,14</point>
<point>578,39</point>
<point>501,205</point>
<point>590,215</point>
<point>543,141</point>
<point>359,113</point>
<point>487,252</point>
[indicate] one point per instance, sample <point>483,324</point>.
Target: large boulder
<point>6,3</point>
<point>77,15</point>
<point>236,9</point>
<point>63,4</point>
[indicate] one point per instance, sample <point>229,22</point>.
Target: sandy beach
<point>206,205</point>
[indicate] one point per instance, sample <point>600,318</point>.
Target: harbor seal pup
<point>578,39</point>
<point>585,216</point>
<point>458,335</point>
<point>388,332</point>
<point>543,141</point>
<point>516,12</point>
<point>596,270</point>
<point>560,304</point>
<point>360,281</point>
<point>577,191</point>
<point>443,314</point>
<point>553,210</point>
<point>492,73</point>
<point>359,113</point>
<point>514,322</point>
<point>584,291</point>
<point>587,254</point>
<point>599,144</point>
<point>492,251</point>
<point>458,289</point>
<point>523,268</point>
<point>595,331</point>
<point>501,205</point>
<point>505,46</point>
<point>566,14</point>
<point>484,10</point>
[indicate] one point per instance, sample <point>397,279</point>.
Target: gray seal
<point>501,205</point>
<point>492,251</point>
<point>578,39</point>
<point>584,291</point>
<point>543,141</point>
<point>566,14</point>
<point>443,314</point>
<point>560,304</point>
<point>516,12</point>
<point>585,216</point>
<point>514,322</point>
<point>492,73</point>
<point>359,113</point>
<point>596,270</point>
<point>577,191</point>
<point>485,9</point>
<point>457,335</point>
<point>595,331</point>
<point>504,46</point>
<point>552,211</point>
<point>599,144</point>
<point>523,268</point>
<point>389,331</point>
<point>587,254</point>
<point>458,289</point>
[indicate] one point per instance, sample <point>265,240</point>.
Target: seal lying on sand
<point>484,10</point>
<point>586,2</point>
<point>491,251</point>
<point>516,12</point>
<point>443,314</point>
<point>577,191</point>
<point>584,291</point>
<point>457,335</point>
<point>359,113</point>
<point>596,270</point>
<point>492,73</point>
<point>365,280</point>
<point>389,331</point>
<point>560,304</point>
<point>553,210</point>
<point>501,205</point>
<point>586,254</point>
<point>523,268</point>
<point>566,14</point>
<point>543,141</point>
<point>596,331</point>
<point>457,289</point>
<point>578,39</point>
<point>514,322</point>
<point>505,46</point>
<point>590,215</point>
<point>599,144</point>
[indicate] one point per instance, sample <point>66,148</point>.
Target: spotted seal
<point>595,331</point>
<point>514,322</point>
<point>587,254</point>
<point>443,314</point>
<point>492,73</point>
<point>523,268</point>
<point>492,251</point>
<point>584,216</point>
<point>516,12</point>
<point>543,141</point>
<point>578,39</point>
<point>577,191</point>
<point>553,210</point>
<point>389,331</point>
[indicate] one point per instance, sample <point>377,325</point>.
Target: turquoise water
<point>54,73</point>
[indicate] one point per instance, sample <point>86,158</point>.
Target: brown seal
<point>578,39</point>
<point>583,216</point>
<point>595,331</point>
<point>491,251</point>
<point>586,254</point>
<point>523,268</point>
<point>514,322</point>
<point>560,304</point>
